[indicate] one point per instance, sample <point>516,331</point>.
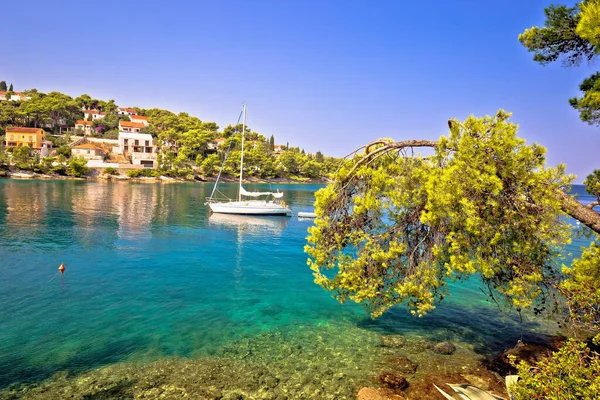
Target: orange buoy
<point>62,268</point>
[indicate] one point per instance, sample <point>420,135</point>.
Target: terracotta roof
<point>91,112</point>
<point>127,109</point>
<point>139,117</point>
<point>127,124</point>
<point>24,130</point>
<point>87,146</point>
<point>219,140</point>
<point>2,93</point>
<point>82,122</point>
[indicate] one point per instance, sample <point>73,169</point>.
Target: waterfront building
<point>85,126</point>
<point>138,146</point>
<point>88,151</point>
<point>19,136</point>
<point>128,126</point>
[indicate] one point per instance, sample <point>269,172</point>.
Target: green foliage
<point>143,172</point>
<point>571,34</point>
<point>64,151</point>
<point>211,164</point>
<point>573,372</point>
<point>3,87</point>
<point>588,27</point>
<point>10,89</point>
<point>77,167</point>
<point>396,229</point>
<point>558,38</point>
<point>581,288</point>
<point>592,184</point>
<point>589,105</point>
<point>111,171</point>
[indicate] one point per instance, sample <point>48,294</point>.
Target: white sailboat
<point>272,205</point>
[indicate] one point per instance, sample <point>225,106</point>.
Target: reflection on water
<point>151,276</point>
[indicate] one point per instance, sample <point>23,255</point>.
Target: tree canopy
<point>395,228</point>
<point>571,34</point>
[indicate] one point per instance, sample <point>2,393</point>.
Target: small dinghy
<point>307,215</point>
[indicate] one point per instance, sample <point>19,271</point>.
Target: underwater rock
<point>444,348</point>
<point>401,364</point>
<point>271,310</point>
<point>393,381</point>
<point>394,341</point>
<point>370,393</point>
<point>419,345</point>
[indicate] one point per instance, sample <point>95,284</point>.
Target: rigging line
<point>225,158</point>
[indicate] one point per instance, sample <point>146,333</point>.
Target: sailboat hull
<point>250,208</point>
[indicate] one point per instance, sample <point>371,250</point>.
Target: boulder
<point>392,381</point>
<point>370,393</point>
<point>401,364</point>
<point>444,348</point>
<point>393,341</point>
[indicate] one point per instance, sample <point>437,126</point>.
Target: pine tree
<point>319,157</point>
<point>272,143</point>
<point>10,89</point>
<point>3,86</point>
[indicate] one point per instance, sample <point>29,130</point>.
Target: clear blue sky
<point>323,75</point>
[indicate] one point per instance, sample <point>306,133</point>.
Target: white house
<point>88,151</point>
<point>140,119</point>
<point>85,126</point>
<point>128,126</point>
<point>214,145</point>
<point>15,96</point>
<point>126,111</point>
<point>139,146</point>
<point>95,114</point>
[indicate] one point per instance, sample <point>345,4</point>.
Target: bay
<point>151,276</point>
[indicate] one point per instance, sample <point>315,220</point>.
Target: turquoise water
<point>150,276</point>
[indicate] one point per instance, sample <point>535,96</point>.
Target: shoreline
<point>27,175</point>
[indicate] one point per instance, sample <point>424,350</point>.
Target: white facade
<point>139,146</point>
<point>85,126</point>
<point>95,114</point>
<point>126,111</point>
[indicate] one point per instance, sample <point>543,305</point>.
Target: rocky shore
<point>98,176</point>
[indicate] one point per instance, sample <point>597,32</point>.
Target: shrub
<point>147,172</point>
<point>59,169</point>
<point>573,372</point>
<point>111,171</point>
<point>77,167</point>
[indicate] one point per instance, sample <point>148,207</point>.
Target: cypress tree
<point>272,143</point>
<point>10,89</point>
<point>3,86</point>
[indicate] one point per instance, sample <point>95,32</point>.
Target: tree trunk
<point>581,213</point>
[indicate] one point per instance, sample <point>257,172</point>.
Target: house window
<point>147,143</point>
<point>125,141</point>
<point>88,152</point>
<point>137,142</point>
<point>126,148</point>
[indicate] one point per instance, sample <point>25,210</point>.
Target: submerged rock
<point>419,345</point>
<point>444,348</point>
<point>401,364</point>
<point>393,381</point>
<point>370,393</point>
<point>394,341</point>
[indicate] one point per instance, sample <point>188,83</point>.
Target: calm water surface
<point>150,275</point>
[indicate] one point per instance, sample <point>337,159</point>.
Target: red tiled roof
<point>127,109</point>
<point>24,130</point>
<point>139,117</point>
<point>127,124</point>
<point>91,112</point>
<point>219,140</point>
<point>82,122</point>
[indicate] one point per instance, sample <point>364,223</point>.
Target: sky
<point>328,75</point>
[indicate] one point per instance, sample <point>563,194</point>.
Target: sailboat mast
<point>242,159</point>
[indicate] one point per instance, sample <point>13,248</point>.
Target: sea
<point>158,296</point>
